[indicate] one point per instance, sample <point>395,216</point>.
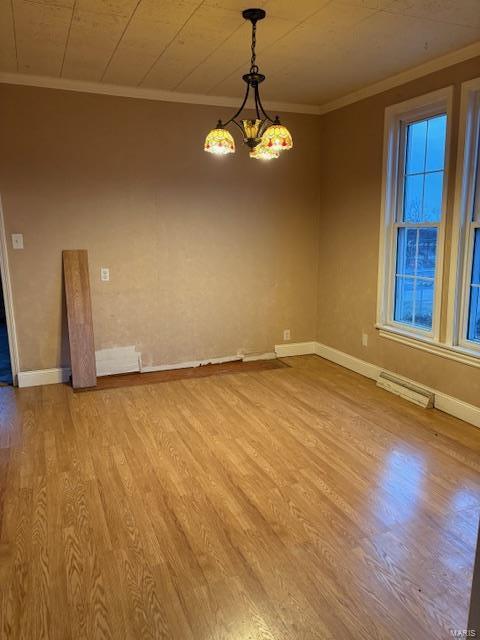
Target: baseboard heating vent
<point>399,387</point>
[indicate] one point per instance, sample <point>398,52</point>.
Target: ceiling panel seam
<point>169,43</point>
<point>429,19</point>
<point>208,56</point>
<point>67,39</point>
<point>115,49</point>
<point>14,33</point>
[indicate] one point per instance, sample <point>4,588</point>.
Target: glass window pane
<point>422,204</point>
<point>424,303</point>
<point>404,300</point>
<point>436,136</point>
<point>427,252</point>
<point>476,197</point>
<point>432,198</point>
<point>416,143</point>
<point>476,259</point>
<point>413,199</point>
<point>406,251</point>
<point>424,165</point>
<point>474,315</point>
<point>473,332</point>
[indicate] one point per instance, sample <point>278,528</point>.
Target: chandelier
<point>264,137</point>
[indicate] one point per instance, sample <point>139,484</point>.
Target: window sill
<point>459,354</point>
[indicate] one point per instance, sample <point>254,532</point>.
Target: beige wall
<point>208,256</point>
<point>350,175</point>
<point>202,264</point>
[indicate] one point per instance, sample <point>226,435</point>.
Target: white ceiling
<point>312,51</point>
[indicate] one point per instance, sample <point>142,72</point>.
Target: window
<point>412,234</point>
<point>464,325</point>
<point>418,217</point>
<point>411,303</point>
<point>473,327</point>
<point>473,255</point>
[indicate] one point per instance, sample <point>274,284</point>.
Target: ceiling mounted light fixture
<point>265,137</point>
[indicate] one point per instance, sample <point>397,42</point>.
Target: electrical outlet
<point>364,339</point>
<point>17,240</point>
<point>286,334</point>
<point>105,274</point>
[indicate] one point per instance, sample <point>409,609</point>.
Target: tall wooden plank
<point>79,315</point>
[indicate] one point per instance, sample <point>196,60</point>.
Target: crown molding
<point>437,64</point>
<point>142,93</point>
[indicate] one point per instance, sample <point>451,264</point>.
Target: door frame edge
<point>8,298</point>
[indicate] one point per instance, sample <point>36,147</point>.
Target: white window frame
<point>463,226</point>
<point>396,118</point>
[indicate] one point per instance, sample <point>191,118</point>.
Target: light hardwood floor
<point>298,503</point>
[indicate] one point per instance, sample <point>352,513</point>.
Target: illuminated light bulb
<point>260,152</point>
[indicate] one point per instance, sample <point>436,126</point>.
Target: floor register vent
<point>399,387</point>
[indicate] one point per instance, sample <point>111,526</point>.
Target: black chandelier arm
<point>238,125</point>
<point>259,103</point>
<point>232,119</point>
<point>259,109</point>
<point>256,99</point>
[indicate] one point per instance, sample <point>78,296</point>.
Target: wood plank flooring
<point>298,503</point>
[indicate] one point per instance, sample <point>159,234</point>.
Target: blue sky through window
<point>424,170</point>
<point>422,205</point>
<point>473,332</point>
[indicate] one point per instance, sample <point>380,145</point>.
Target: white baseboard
<point>455,407</point>
<point>448,404</point>
<point>42,376</point>
<point>295,349</point>
<point>349,362</point>
<point>108,362</point>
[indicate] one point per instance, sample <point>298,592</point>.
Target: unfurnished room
<point>239,319</point>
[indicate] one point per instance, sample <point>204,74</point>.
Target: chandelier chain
<point>253,66</point>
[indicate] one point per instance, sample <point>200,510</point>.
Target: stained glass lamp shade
<point>277,137</point>
<point>219,141</point>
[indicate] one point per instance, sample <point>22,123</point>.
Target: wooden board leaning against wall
<point>79,317</point>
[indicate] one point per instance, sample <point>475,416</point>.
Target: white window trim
<point>459,354</point>
<point>462,231</point>
<point>423,106</point>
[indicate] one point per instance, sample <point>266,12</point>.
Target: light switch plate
<point>17,240</point>
<point>105,274</point>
